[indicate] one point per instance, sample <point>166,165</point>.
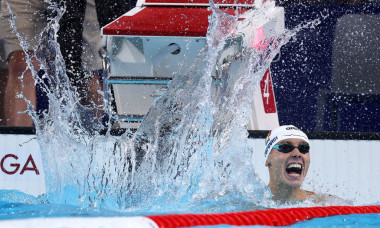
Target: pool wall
<point>345,168</point>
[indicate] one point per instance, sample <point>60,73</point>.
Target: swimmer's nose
<point>296,153</point>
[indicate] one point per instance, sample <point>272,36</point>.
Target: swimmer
<point>287,158</point>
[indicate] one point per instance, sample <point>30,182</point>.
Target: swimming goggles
<point>288,147</point>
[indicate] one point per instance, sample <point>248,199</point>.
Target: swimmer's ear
<point>267,164</point>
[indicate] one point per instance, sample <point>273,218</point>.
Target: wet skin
<point>285,183</point>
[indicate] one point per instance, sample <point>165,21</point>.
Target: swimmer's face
<point>288,168</point>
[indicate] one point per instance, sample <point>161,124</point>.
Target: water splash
<point>189,154</point>
<point>197,149</point>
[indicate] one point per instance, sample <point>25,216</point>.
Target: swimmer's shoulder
<point>309,193</point>
<point>303,195</point>
<point>327,199</point>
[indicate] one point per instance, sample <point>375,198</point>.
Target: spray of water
<point>190,152</point>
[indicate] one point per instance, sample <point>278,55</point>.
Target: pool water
<point>354,220</point>
<point>31,209</point>
<point>191,147</point>
<point>18,205</point>
<point>25,210</point>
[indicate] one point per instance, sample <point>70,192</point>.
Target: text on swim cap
<point>269,145</point>
<point>292,128</point>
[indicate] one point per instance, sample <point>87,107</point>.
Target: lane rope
<point>270,217</point>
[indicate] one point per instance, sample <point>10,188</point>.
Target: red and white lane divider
<point>270,217</point>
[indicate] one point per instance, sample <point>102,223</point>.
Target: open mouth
<point>294,169</point>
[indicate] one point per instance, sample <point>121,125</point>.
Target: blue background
<point>305,68</point>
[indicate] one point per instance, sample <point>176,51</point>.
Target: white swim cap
<point>281,133</point>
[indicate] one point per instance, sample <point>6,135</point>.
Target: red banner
<point>267,93</point>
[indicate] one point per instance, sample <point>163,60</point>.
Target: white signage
<point>21,164</point>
